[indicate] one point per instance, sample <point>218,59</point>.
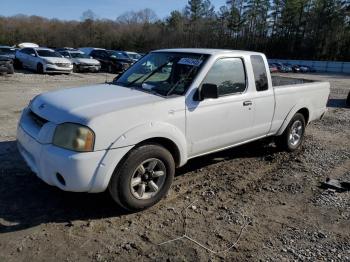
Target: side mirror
<point>34,55</point>
<point>209,91</point>
<point>67,56</point>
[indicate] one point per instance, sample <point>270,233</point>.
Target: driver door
<point>214,124</point>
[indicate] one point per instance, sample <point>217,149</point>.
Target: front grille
<point>62,64</point>
<point>37,119</point>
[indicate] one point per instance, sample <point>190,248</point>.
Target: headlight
<point>74,137</point>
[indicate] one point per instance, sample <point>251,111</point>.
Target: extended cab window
<point>229,76</point>
<point>260,75</point>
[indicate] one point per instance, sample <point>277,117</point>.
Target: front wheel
<point>110,69</point>
<point>40,69</point>
<point>10,69</point>
<point>75,68</point>
<point>143,178</point>
<point>293,136</point>
<point>348,100</point>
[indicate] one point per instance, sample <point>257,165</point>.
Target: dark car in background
<point>6,65</point>
<point>111,61</point>
<point>273,68</point>
<point>283,68</point>
<point>8,52</point>
<point>306,69</point>
<point>295,68</point>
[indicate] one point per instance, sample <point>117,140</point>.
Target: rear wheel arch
<point>299,108</point>
<point>305,112</point>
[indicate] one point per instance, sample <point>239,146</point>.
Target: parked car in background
<point>273,68</point>
<point>133,55</point>
<point>282,68</point>
<point>7,52</point>
<point>81,61</point>
<point>6,65</point>
<point>287,68</point>
<point>43,60</point>
<point>295,68</point>
<point>111,61</point>
<point>306,69</point>
<point>128,136</point>
<point>303,69</point>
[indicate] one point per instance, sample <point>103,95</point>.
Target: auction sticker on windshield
<point>190,61</point>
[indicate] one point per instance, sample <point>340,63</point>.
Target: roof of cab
<point>208,51</point>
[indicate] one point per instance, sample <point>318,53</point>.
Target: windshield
<point>79,55</point>
<point>7,51</point>
<point>118,54</point>
<point>48,53</point>
<point>134,56</point>
<point>163,73</point>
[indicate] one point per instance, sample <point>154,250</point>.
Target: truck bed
<point>285,81</point>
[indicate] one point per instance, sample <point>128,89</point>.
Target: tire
<point>10,69</point>
<point>75,68</point>
<point>40,68</point>
<point>17,64</point>
<point>110,69</point>
<point>292,138</point>
<point>348,100</point>
<point>142,194</point>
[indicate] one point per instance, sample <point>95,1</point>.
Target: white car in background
<point>81,61</point>
<point>43,60</point>
<point>134,56</point>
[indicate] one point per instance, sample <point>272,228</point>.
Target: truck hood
<point>81,105</point>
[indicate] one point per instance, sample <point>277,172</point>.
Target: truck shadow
<point>26,201</point>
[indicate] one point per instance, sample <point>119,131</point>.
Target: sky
<point>73,9</point>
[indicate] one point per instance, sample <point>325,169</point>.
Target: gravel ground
<point>252,202</point>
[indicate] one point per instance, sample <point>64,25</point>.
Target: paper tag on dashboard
<point>190,61</point>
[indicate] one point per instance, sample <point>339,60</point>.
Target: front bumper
<point>49,68</point>
<point>89,68</point>
<point>82,172</point>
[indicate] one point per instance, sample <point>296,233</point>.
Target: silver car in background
<point>42,60</point>
<point>81,61</point>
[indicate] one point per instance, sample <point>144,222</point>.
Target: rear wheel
<point>143,178</point>
<point>293,136</point>
<point>17,64</point>
<point>10,69</point>
<point>40,69</point>
<point>348,100</point>
<point>110,69</point>
<point>75,68</point>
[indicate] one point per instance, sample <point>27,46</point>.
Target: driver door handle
<point>247,103</point>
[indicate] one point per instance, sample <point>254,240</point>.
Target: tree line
<point>293,29</point>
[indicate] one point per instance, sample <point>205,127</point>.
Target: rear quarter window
<point>260,73</point>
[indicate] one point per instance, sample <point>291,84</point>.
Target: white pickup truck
<point>170,106</point>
